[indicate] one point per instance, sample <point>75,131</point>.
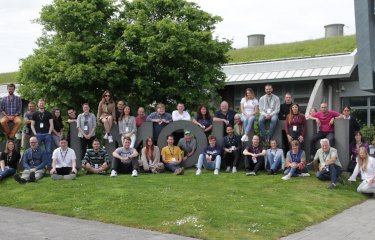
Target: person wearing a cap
<point>188,144</point>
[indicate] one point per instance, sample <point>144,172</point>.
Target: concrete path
<point>357,222</point>
<point>26,225</point>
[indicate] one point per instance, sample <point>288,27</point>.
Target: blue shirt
<point>11,106</point>
<point>34,159</point>
<point>212,151</point>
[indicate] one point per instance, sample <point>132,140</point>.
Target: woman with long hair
<point>358,142</point>
<point>295,124</point>
<point>127,126</point>
<point>151,157</point>
<point>249,107</point>
<point>107,114</point>
<point>58,126</point>
<point>203,119</point>
<point>9,160</point>
<point>366,166</point>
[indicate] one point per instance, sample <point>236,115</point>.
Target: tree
<point>144,51</point>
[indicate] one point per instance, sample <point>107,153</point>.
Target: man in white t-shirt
<point>180,114</point>
<point>63,162</point>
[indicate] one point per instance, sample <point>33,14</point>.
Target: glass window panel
<point>360,115</point>
<point>372,99</point>
<point>372,116</point>
<point>355,101</point>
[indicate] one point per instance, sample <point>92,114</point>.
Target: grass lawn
<point>9,77</point>
<point>227,206</point>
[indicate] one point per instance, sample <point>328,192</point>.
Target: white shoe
<point>286,177</point>
<point>113,173</point>
<point>106,136</point>
<point>234,170</point>
<point>245,138</point>
<point>110,139</point>
<point>135,173</point>
<point>304,175</point>
<point>216,172</point>
<point>228,169</point>
<point>199,172</point>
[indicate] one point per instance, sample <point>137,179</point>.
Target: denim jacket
<point>34,159</point>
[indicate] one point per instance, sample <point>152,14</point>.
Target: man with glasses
<point>34,161</point>
<point>11,107</point>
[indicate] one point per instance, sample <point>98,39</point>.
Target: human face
<point>358,137</point>
<point>325,146</point>
<point>294,109</point>
<point>170,141</point>
<point>141,112</point>
<point>71,113</point>
<point>268,89</point>
<point>96,145</point>
<point>188,136</point>
<point>237,119</point>
<point>312,110</point>
<point>203,111</point>
<point>346,112</point>
<point>249,94</point>
<point>31,107</point>
<point>362,153</point>
<point>288,99</point>
<point>149,142</point>
<point>229,131</point>
<point>120,105</point>
<point>180,107</point>
<point>41,104</point>
<point>33,142</point>
<point>323,108</point>
<point>224,107</point>
<point>273,145</point>
<point>63,144</point>
<point>57,113</point>
<point>126,143</point>
<point>295,148</point>
<point>10,90</point>
<point>255,141</point>
<point>212,142</point>
<point>10,146</point>
<point>127,111</point>
<point>86,108</point>
<point>161,110</point>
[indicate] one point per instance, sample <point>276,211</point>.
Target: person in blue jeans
<point>42,126</point>
<point>275,158</point>
<point>9,160</point>
<point>295,162</point>
<point>210,158</point>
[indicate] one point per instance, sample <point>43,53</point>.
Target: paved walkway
<point>354,223</point>
<point>26,225</point>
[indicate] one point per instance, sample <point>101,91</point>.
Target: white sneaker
<point>216,172</point>
<point>113,173</point>
<point>135,173</point>
<point>228,169</point>
<point>304,175</point>
<point>286,177</point>
<point>245,138</point>
<point>110,139</point>
<point>234,170</point>
<point>199,172</point>
<point>106,136</point>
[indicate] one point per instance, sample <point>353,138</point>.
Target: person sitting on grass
<point>124,159</point>
<point>295,162</point>
<point>210,158</point>
<point>365,166</point>
<point>330,166</point>
<point>96,160</point>
<point>63,162</point>
<point>34,161</point>
<point>275,158</point>
<point>254,157</point>
<point>150,157</point>
<point>172,157</point>
<point>9,160</point>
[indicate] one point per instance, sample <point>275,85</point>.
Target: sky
<point>280,20</point>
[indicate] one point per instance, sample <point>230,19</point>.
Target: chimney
<point>334,30</point>
<point>255,40</point>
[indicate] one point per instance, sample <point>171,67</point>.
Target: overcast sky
<point>281,21</point>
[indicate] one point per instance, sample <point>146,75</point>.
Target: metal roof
<point>304,68</point>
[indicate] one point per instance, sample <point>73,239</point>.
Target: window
<point>363,109</point>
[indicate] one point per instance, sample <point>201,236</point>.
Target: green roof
<point>307,48</point>
<point>9,77</point>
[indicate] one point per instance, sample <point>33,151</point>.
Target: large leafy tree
<point>144,51</point>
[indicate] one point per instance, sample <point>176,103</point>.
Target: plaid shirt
<point>11,107</point>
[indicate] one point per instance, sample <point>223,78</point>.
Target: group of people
<point>41,126</point>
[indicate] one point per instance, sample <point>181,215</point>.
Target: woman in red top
<point>295,124</point>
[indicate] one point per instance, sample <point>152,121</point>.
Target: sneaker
<point>216,172</point>
<point>331,186</point>
<point>304,175</point>
<point>228,169</point>
<point>56,177</point>
<point>286,177</point>
<point>135,173</point>
<point>177,171</point>
<point>19,179</point>
<point>113,173</point>
<point>340,180</point>
<point>199,172</point>
<point>110,139</point>
<point>248,173</point>
<point>106,136</point>
<point>102,172</point>
<point>32,177</point>
<point>245,138</point>
<point>234,170</point>
<point>182,170</point>
<point>253,173</point>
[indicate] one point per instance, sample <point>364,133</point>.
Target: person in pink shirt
<point>325,121</point>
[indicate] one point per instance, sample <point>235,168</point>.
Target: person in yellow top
<point>172,156</point>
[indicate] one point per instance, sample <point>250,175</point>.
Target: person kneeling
<point>295,162</point>
<point>96,160</point>
<point>210,158</point>
<point>63,162</point>
<point>124,159</point>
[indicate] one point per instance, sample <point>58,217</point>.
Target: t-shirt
<point>212,151</point>
<point>229,116</point>
<point>27,128</point>
<point>249,105</point>
<point>64,158</point>
<point>187,146</point>
<point>42,121</point>
<point>124,152</point>
<point>170,153</point>
<point>325,119</point>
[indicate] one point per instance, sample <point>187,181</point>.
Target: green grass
<point>297,49</point>
<point>9,77</point>
<point>227,206</point>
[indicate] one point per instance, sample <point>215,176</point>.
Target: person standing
<point>141,117</point>
<point>269,107</point>
<point>203,119</point>
<point>42,126</point>
<point>159,120</point>
<point>27,133</point>
<point>11,108</point>
<point>58,126</point>
<point>63,162</point>
<point>127,126</point>
<point>180,113</point>
<point>120,109</point>
<point>86,124</point>
<point>72,118</point>
<point>225,115</point>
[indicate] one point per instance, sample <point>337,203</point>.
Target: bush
<point>369,134</point>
